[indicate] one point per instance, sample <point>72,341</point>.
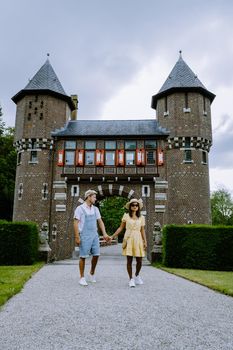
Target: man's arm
<point>102,227</point>
<point>76,232</point>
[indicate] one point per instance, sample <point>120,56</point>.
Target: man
<point>86,217</point>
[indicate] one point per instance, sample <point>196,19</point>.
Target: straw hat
<point>89,193</point>
<point>134,200</point>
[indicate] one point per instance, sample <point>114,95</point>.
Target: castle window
<point>187,151</point>
<point>70,144</point>
<point>186,108</point>
<point>188,156</point>
<point>165,104</point>
<point>204,106</point>
<point>204,157</point>
<point>130,144</point>
<point>33,157</point>
<point>35,111</point>
<point>145,191</point>
<point>130,158</point>
<point>42,104</point>
<point>74,190</point>
<point>36,98</point>
<point>30,104</point>
<point>109,158</point>
<point>186,100</point>
<point>69,157</point>
<point>90,158</point>
<point>187,142</point>
<point>41,116</point>
<point>19,158</point>
<point>33,144</point>
<point>110,144</point>
<point>150,157</point>
<point>29,116</point>
<point>45,191</point>
<point>150,144</point>
<point>90,144</point>
<point>20,191</point>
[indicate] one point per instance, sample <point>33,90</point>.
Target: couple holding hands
<point>86,217</point>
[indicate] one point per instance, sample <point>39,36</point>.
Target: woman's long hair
<point>138,212</point>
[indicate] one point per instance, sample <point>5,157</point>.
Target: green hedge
<point>198,247</point>
<point>18,243</point>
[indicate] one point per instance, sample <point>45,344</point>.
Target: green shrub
<point>18,243</point>
<point>198,246</point>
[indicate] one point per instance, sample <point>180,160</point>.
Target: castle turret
<point>42,107</point>
<point>183,107</point>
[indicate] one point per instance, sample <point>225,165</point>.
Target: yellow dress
<point>133,236</point>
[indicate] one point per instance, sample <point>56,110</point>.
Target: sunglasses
<point>134,205</point>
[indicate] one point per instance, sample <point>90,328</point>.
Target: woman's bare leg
<point>129,265</point>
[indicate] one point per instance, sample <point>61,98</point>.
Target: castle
<point>163,160</point>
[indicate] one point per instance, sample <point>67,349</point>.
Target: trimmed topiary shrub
<point>18,243</point>
<point>198,247</point>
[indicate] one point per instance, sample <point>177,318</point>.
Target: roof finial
<point>180,52</point>
<point>48,54</point>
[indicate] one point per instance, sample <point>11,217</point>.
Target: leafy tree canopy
<point>222,207</point>
<point>7,169</point>
<point>112,209</point>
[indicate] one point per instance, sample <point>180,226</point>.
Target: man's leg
<point>81,266</point>
<point>94,261</point>
<point>95,251</point>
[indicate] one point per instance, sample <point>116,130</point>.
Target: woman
<point>134,238</point>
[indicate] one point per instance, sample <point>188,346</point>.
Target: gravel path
<point>167,312</point>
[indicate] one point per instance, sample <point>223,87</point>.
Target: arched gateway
<point>164,160</point>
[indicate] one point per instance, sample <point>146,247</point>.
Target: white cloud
<point>221,178</point>
<point>133,100</point>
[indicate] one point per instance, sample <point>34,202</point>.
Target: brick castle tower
<point>42,106</point>
<point>183,107</point>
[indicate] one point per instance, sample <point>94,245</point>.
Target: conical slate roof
<point>45,81</point>
<point>181,78</point>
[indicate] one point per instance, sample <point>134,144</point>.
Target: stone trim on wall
<point>41,143</point>
<point>196,142</point>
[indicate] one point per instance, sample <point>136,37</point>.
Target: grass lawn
<point>13,278</point>
<point>221,281</point>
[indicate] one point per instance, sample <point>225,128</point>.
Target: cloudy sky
<point>116,54</point>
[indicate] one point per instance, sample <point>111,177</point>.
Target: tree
<point>222,207</point>
<point>112,210</point>
<point>2,124</point>
<point>7,170</point>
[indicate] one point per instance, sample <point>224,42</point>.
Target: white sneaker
<point>83,282</point>
<point>91,278</point>
<point>138,280</point>
<point>131,283</point>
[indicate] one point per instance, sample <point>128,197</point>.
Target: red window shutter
<point>160,157</point>
<point>120,159</point>
<point>79,157</point>
<point>140,157</point>
<point>60,158</point>
<point>99,160</point>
